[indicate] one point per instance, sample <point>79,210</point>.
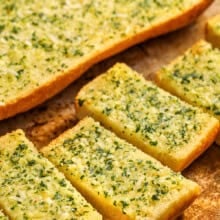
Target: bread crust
<point>51,88</point>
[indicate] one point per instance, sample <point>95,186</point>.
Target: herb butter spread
<point>32,188</point>
<point>117,172</point>
<point>157,122</point>
<point>2,216</point>
<point>39,41</point>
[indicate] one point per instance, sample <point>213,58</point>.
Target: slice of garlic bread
<point>158,123</point>
<point>119,180</point>
<point>195,78</point>
<point>212,31</point>
<point>44,47</point>
<point>32,188</point>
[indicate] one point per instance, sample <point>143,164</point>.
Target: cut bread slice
<point>32,188</point>
<point>119,180</point>
<point>160,124</point>
<point>212,31</point>
<point>195,78</point>
<point>47,46</point>
<point>2,216</point>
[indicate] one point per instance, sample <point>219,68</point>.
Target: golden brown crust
<point>42,93</point>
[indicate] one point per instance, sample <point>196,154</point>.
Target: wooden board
<point>47,121</point>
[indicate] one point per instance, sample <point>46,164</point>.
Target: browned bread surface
<point>24,82</point>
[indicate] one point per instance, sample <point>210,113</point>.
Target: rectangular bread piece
<point>32,188</point>
<point>119,180</point>
<point>44,47</point>
<point>212,31</point>
<point>158,123</point>
<point>2,216</point>
<point>195,78</point>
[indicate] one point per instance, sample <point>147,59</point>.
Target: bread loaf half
<point>119,180</point>
<point>44,47</point>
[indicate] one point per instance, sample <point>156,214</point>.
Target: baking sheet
<point>47,121</point>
